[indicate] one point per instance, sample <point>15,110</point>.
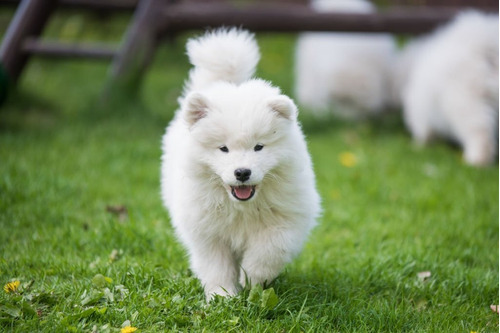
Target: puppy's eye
<point>224,149</point>
<point>258,147</point>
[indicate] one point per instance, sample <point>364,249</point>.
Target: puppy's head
<point>241,134</point>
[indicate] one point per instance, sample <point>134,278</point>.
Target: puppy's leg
<point>415,110</point>
<point>479,148</point>
<point>266,254</point>
<point>475,124</point>
<point>215,266</point>
<point>421,133</point>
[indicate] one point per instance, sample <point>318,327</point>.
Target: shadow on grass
<point>389,122</point>
<point>342,302</point>
<point>25,110</point>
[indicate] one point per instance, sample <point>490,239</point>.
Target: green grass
<point>66,153</point>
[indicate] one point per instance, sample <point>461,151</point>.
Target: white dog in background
<point>237,178</point>
<point>348,74</point>
<point>449,84</point>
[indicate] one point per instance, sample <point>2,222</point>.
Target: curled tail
<point>229,55</point>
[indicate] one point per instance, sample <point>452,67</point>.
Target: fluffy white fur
<point>346,73</point>
<point>449,84</point>
<point>229,121</point>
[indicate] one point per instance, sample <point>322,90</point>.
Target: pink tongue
<point>243,192</point>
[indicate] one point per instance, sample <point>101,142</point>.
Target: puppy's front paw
<point>479,154</point>
<point>210,292</point>
<point>257,276</point>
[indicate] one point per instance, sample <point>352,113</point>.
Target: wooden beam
<point>105,5</point>
<point>64,50</point>
<point>179,17</point>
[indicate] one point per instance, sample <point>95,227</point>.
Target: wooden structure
<point>155,19</point>
<point>22,37</point>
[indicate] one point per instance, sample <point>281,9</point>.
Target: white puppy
<point>449,86</point>
<point>347,73</point>
<point>237,178</point>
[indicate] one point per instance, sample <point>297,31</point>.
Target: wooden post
<point>138,46</point>
<point>28,21</point>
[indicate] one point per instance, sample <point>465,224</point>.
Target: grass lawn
<point>84,231</point>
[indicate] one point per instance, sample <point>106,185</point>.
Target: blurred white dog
<point>346,73</point>
<point>236,175</point>
<point>449,86</point>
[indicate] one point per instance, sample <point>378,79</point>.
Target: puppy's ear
<point>195,108</point>
<point>283,106</point>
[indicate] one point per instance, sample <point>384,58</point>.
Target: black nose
<point>242,174</point>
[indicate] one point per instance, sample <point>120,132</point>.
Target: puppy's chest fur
<point>236,225</point>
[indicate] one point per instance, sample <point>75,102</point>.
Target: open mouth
<point>243,192</point>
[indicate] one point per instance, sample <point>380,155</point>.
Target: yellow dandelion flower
<point>348,159</point>
<point>335,194</point>
<point>11,286</point>
<point>128,329</point>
